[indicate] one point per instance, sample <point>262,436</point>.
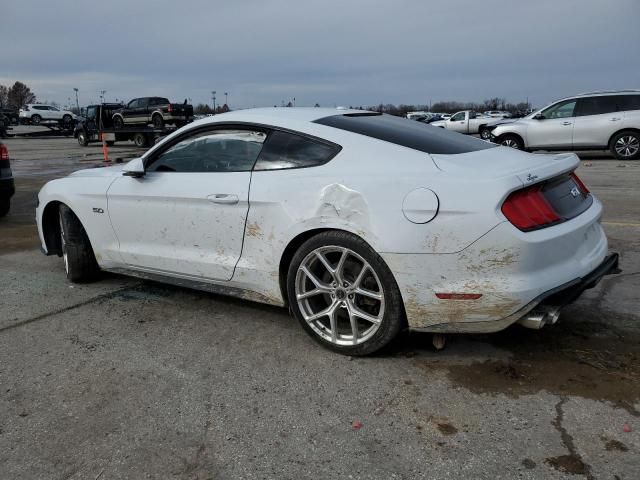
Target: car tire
<point>36,119</point>
<point>512,141</point>
<point>485,133</point>
<point>66,119</point>
<point>625,145</point>
<point>158,121</point>
<point>82,139</point>
<point>118,122</point>
<point>79,260</point>
<point>374,318</point>
<point>140,140</point>
<point>5,205</point>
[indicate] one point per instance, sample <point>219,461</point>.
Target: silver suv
<point>592,121</point>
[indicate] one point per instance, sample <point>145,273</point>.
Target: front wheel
<point>512,141</point>
<point>118,122</point>
<point>82,139</point>
<point>36,119</point>
<point>344,295</point>
<point>140,140</point>
<point>626,145</point>
<point>80,263</point>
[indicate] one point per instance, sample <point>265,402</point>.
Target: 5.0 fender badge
<point>97,210</point>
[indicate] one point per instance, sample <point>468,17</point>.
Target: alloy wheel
<point>63,245</point>
<point>511,143</point>
<point>627,146</point>
<point>340,295</point>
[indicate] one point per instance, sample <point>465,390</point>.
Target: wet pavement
<point>131,379</point>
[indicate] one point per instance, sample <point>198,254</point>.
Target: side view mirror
<point>539,116</point>
<point>135,168</point>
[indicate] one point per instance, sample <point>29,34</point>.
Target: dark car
<point>156,110</point>
<point>7,188</point>
<point>11,114</point>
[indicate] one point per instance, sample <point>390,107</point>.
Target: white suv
<point>592,121</point>
<point>36,113</point>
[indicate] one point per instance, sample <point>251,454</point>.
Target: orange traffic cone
<point>105,151</point>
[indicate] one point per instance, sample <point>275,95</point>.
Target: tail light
<point>583,188</point>
<point>528,209</point>
<point>170,108</point>
<point>4,153</point>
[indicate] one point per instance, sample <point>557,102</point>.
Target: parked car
<point>7,187</point>
<point>35,114</point>
<point>11,113</point>
<point>468,122</point>
<point>497,114</point>
<point>593,121</point>
<point>156,110</point>
<point>455,235</point>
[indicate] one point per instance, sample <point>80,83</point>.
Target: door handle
<point>223,198</point>
<point>566,123</point>
<point>614,119</point>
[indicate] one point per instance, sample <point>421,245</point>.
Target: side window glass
<point>560,110</point>
<point>597,105</point>
<point>211,151</point>
<point>133,104</point>
<point>457,117</point>
<point>629,102</point>
<point>286,150</point>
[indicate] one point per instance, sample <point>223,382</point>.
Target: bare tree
<point>19,95</point>
<point>4,96</point>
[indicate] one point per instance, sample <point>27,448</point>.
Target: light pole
<point>213,95</point>
<point>102,92</point>
<point>77,104</point>
<point>226,99</point>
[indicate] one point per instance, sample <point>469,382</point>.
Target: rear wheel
<point>626,145</point>
<point>344,295</point>
<point>36,119</point>
<point>158,121</point>
<point>140,140</point>
<point>79,261</point>
<point>512,141</point>
<point>485,133</point>
<point>118,122</point>
<point>66,119</point>
<point>5,205</point>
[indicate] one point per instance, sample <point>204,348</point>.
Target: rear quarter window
<point>284,150</point>
<point>407,133</point>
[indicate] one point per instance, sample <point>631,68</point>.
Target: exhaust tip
<point>539,318</point>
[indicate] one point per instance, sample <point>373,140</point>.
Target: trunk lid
<point>503,162</point>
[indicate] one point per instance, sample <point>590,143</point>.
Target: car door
<point>553,127</point>
<point>186,216</point>
<point>131,113</point>
<point>458,122</point>
<point>597,119</point>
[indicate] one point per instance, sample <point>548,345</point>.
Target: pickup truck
<point>469,122</point>
<point>98,125</point>
<point>156,110</point>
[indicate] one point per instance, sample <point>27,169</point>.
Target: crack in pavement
<point>572,463</point>
<point>107,295</point>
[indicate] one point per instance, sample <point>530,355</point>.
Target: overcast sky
<point>334,52</point>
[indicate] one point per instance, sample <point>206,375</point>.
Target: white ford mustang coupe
<point>363,224</point>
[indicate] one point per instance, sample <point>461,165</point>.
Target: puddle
<point>575,359</point>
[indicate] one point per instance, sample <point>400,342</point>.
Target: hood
<point>506,162</point>
<point>114,171</point>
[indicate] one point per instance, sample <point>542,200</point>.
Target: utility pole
<point>226,99</point>
<point>213,95</point>
<point>77,103</point>
<point>102,92</point>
